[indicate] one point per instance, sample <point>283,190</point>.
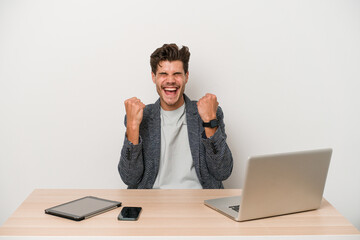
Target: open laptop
<point>278,184</point>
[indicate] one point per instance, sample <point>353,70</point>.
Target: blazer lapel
<point>155,140</point>
<point>192,119</point>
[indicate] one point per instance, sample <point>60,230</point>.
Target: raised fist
<point>134,112</point>
<point>207,107</point>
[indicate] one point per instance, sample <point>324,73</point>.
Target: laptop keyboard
<point>235,208</point>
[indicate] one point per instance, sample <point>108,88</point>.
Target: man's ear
<point>153,77</point>
<point>186,76</point>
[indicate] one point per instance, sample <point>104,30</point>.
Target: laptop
<point>278,184</point>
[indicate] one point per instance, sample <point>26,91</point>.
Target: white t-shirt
<point>176,170</point>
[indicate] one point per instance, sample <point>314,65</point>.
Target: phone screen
<point>129,213</point>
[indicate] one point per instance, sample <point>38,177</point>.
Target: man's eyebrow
<point>165,73</point>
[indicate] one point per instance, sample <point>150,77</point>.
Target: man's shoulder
<point>191,105</point>
<point>151,111</point>
<point>149,108</point>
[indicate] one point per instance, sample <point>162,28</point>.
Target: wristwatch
<point>212,124</point>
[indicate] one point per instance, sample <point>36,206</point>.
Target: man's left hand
<point>207,107</point>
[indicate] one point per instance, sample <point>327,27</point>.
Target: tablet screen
<point>83,208</point>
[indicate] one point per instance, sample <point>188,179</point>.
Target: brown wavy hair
<point>170,52</point>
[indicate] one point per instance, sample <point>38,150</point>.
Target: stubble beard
<point>171,102</point>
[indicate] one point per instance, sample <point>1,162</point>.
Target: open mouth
<point>170,91</point>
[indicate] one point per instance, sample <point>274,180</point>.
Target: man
<point>175,143</point>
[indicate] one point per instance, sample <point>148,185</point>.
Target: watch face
<point>214,123</point>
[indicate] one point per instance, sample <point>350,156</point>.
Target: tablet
<point>83,208</point>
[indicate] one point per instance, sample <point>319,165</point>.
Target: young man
<point>174,143</point>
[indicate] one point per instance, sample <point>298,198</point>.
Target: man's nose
<point>170,79</point>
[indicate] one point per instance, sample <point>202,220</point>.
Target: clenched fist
<point>207,107</point>
<point>134,114</point>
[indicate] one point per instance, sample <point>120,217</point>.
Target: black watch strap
<point>212,124</point>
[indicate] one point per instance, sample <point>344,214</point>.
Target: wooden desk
<point>165,213</point>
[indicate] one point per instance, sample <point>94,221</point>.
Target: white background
<point>286,74</point>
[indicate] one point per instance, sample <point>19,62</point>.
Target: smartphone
<point>130,213</point>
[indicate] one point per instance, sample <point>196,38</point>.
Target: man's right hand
<point>134,114</point>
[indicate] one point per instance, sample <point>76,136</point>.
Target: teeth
<point>170,89</point>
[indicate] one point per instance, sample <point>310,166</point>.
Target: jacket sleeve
<point>218,155</point>
<point>131,166</point>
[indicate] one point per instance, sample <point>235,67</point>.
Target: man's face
<point>170,80</point>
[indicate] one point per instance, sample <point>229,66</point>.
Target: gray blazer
<point>139,164</point>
